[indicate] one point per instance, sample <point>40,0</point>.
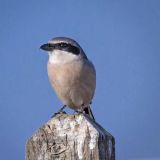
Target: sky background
<point>121,37</point>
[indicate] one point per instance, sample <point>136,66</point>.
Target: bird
<point>71,74</point>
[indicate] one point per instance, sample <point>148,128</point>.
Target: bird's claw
<point>59,112</point>
<point>79,112</point>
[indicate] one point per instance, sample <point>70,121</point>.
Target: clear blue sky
<point>121,37</point>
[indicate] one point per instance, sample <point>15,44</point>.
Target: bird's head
<point>63,49</point>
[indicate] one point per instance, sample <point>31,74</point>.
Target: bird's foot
<point>59,112</point>
<point>79,111</point>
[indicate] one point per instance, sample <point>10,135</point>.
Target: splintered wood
<point>71,137</point>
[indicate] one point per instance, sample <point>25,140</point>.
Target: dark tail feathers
<point>89,112</point>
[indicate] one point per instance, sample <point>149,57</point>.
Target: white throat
<point>58,56</point>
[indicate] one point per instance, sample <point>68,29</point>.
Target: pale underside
<point>74,82</point>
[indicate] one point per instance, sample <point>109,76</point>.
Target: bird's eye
<point>63,45</point>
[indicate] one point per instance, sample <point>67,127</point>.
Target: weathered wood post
<point>71,137</point>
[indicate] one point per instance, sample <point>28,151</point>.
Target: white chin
<point>58,56</point>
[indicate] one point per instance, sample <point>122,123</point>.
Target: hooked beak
<point>46,47</point>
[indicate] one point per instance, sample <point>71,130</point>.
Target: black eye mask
<point>64,47</point>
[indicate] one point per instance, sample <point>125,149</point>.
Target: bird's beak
<point>46,47</point>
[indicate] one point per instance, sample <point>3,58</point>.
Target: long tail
<point>88,111</point>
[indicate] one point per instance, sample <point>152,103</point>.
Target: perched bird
<point>71,74</point>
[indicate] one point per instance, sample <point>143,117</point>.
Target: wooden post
<point>71,137</point>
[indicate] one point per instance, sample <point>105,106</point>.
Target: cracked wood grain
<point>71,137</point>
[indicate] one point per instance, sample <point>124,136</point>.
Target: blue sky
<point>122,38</point>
